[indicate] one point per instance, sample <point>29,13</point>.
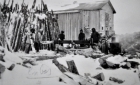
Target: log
<point>61,49</point>
<point>18,37</point>
<point>67,80</point>
<point>11,67</point>
<point>116,80</point>
<point>2,69</point>
<point>60,66</point>
<point>103,63</point>
<point>134,64</point>
<point>126,66</point>
<point>106,64</point>
<point>13,32</point>
<point>1,57</point>
<point>99,77</point>
<point>72,67</point>
<point>31,61</point>
<point>16,34</point>
<point>79,79</point>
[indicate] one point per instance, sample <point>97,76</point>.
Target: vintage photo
<point>69,42</point>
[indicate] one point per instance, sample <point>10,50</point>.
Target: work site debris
<point>61,67</point>
<point>100,77</point>
<point>72,67</point>
<point>116,80</point>
<point>2,69</point>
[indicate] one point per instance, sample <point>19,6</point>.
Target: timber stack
<point>17,19</point>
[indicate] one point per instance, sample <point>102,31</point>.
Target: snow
<point>88,65</point>
<point>45,72</point>
<point>116,59</point>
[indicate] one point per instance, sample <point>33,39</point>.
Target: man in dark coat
<point>81,37</point>
<point>37,41</point>
<point>95,37</point>
<point>62,37</point>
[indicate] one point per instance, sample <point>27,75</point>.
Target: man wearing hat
<point>95,37</point>
<point>62,37</point>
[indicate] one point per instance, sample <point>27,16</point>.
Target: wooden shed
<point>99,15</point>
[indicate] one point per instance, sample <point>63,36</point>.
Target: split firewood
<point>139,71</point>
<point>31,61</point>
<point>11,67</point>
<point>134,64</point>
<point>99,77</point>
<point>67,80</point>
<point>61,67</point>
<point>90,79</point>
<point>127,65</point>
<point>62,49</point>
<point>79,79</point>
<point>138,54</point>
<point>116,80</point>
<point>106,64</point>
<point>72,67</point>
<point>2,69</point>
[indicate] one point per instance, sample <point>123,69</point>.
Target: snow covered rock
<point>11,57</point>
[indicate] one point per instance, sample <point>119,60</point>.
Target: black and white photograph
<point>69,42</point>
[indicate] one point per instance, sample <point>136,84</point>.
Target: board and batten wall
<point>71,23</point>
<point>106,9</point>
<point>91,19</point>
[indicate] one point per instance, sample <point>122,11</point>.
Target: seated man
<point>81,37</point>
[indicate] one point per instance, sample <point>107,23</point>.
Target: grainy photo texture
<point>69,42</point>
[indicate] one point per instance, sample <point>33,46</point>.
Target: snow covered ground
<point>46,73</point>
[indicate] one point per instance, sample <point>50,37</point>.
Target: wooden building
<point>99,15</point>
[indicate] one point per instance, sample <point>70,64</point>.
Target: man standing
<point>37,41</point>
<point>81,37</point>
<point>27,42</point>
<point>62,37</point>
<point>95,37</point>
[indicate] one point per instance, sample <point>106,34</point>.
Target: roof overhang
<point>114,11</point>
<point>66,11</point>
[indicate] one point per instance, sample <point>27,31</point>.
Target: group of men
<point>95,37</point>
<point>31,40</point>
<point>96,40</point>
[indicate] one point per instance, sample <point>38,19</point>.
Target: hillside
<point>130,42</point>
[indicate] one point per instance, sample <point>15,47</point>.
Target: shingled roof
<point>98,5</point>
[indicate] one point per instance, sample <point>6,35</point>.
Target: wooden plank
<point>72,67</point>
<point>67,80</point>
<point>60,66</point>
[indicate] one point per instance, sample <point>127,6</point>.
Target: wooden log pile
<point>21,19</point>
